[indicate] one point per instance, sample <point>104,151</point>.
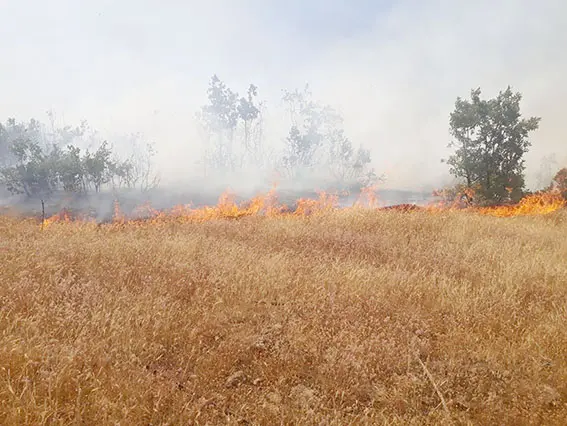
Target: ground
<point>353,316</point>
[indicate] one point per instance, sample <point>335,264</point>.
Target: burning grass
<point>267,205</point>
<point>314,316</point>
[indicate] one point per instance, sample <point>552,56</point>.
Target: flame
<point>268,205</point>
<point>452,199</point>
<point>535,204</point>
<point>118,216</point>
<point>325,203</point>
<point>540,203</point>
<point>261,205</point>
<point>367,197</point>
<point>62,216</point>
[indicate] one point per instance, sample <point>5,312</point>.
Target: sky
<point>392,68</point>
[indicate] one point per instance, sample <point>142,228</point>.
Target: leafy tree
<point>31,174</point>
<point>5,143</point>
<point>310,122</point>
<point>317,142</point>
<point>220,118</point>
<point>137,171</point>
<point>122,174</point>
<point>559,182</point>
<point>67,135</point>
<point>98,166</point>
<point>12,132</point>
<point>248,112</point>
<point>233,127</point>
<point>348,165</point>
<point>33,166</point>
<point>69,167</point>
<point>490,140</point>
<point>143,167</point>
<point>301,149</point>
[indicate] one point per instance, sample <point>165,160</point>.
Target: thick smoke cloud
<point>393,69</point>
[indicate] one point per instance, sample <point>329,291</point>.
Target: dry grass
<point>353,317</point>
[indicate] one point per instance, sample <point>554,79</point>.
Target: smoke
<point>393,70</point>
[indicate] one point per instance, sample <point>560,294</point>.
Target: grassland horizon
<point>352,316</point>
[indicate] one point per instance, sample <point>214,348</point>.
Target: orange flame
<point>118,216</point>
<point>367,197</point>
<point>535,204</point>
<point>268,205</point>
<point>62,216</point>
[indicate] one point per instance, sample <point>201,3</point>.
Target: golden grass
<point>350,317</point>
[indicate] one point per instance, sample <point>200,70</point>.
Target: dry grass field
<point>348,317</point>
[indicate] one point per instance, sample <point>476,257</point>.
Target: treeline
<point>489,140</point>
<point>36,161</point>
<point>316,148</point>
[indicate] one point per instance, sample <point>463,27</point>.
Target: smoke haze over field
<point>392,68</point>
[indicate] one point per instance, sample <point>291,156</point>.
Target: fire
<point>118,217</point>
<point>62,216</point>
<point>261,205</point>
<point>540,203</point>
<point>535,204</point>
<point>227,208</point>
<point>268,205</point>
<point>325,203</point>
<point>367,197</point>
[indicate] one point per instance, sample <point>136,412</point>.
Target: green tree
<point>31,174</point>
<point>5,152</point>
<point>317,142</point>
<point>559,182</point>
<point>349,166</point>
<point>69,167</point>
<point>220,117</point>
<point>12,132</point>
<point>249,112</point>
<point>122,173</point>
<point>36,165</point>
<point>138,171</point>
<point>490,138</point>
<point>233,128</point>
<point>98,166</point>
<point>310,124</point>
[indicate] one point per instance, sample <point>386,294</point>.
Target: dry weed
<point>351,317</point>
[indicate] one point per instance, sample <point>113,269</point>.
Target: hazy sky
<point>393,68</point>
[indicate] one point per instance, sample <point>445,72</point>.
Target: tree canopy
<point>316,145</point>
<point>559,182</point>
<point>38,162</point>
<point>490,138</point>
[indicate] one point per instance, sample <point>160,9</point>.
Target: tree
<point>122,174</point>
<point>98,166</point>
<point>31,174</point>
<point>13,132</point>
<point>233,127</point>
<point>138,170</point>
<point>559,182</point>
<point>33,166</point>
<point>220,118</point>
<point>348,165</point>
<point>69,167</point>
<point>310,125</point>
<point>5,143</point>
<point>248,112</point>
<point>490,140</point>
<point>317,144</point>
